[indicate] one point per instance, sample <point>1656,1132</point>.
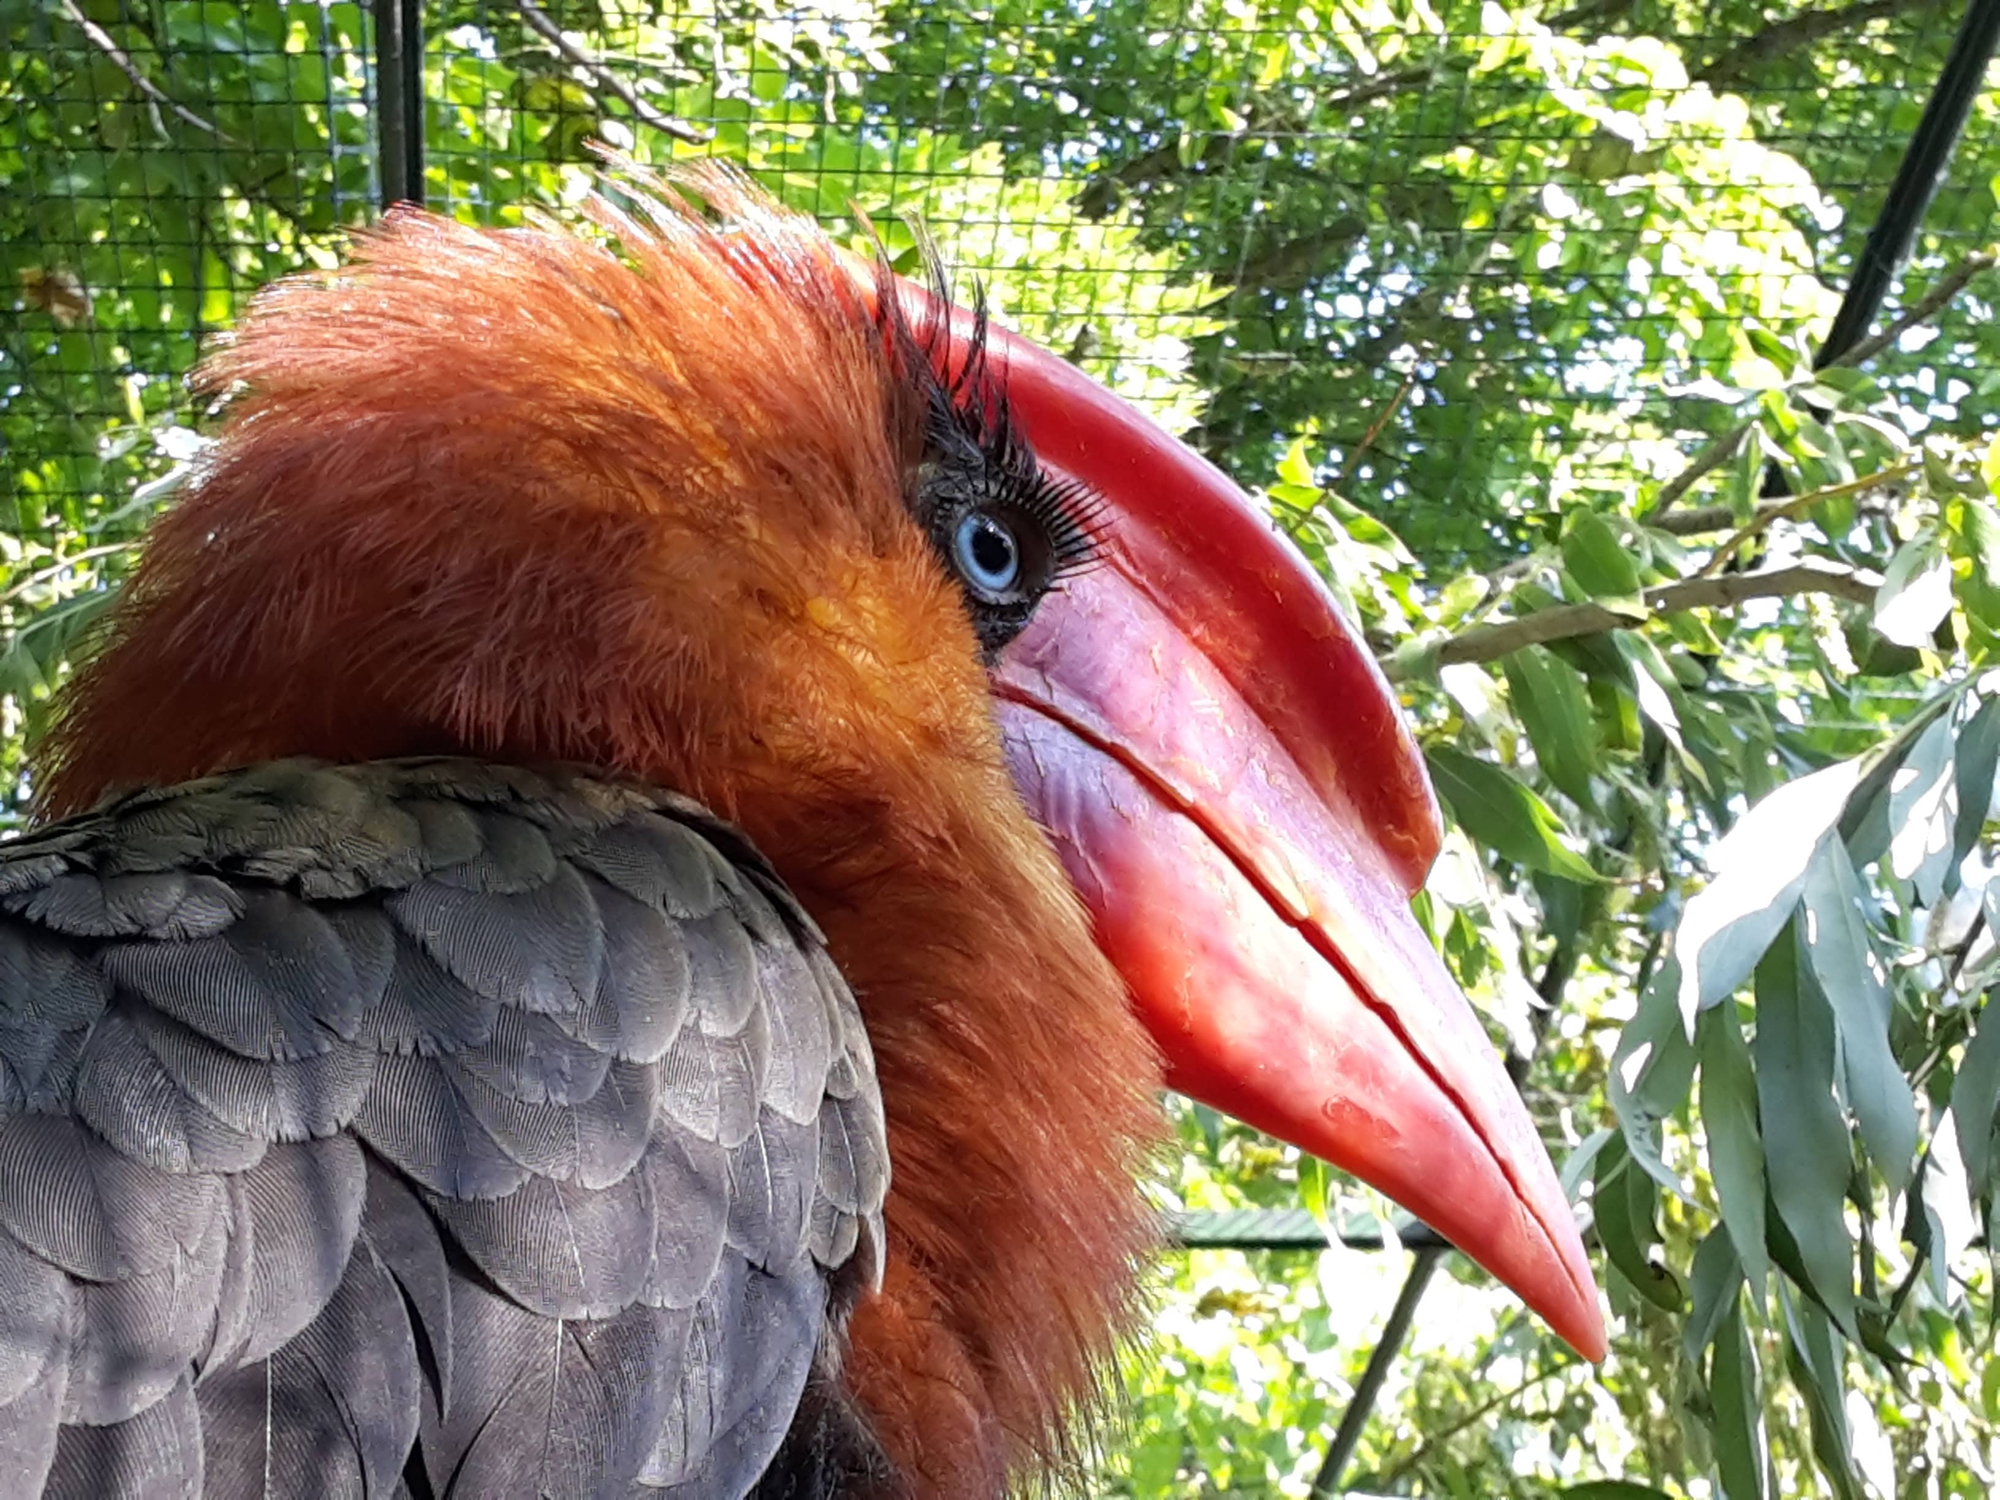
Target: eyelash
<point>967,408</point>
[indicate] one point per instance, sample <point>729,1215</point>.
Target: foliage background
<point>1510,311</point>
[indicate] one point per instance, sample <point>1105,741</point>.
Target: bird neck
<point>1022,1100</point>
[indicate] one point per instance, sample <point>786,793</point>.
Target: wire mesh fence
<point>1473,259</point>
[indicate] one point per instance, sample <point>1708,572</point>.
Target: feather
<point>155,1455</point>
<point>593,1142</point>
<point>772,1183</point>
<point>657,862</point>
<point>690,1183</point>
<point>648,978</point>
<point>512,856</point>
<point>273,1101</point>
<point>126,1095</point>
<point>136,1337</point>
<point>94,1212</point>
<point>424,1009</point>
<point>279,984</point>
<point>533,1059</point>
<point>29,1425</point>
<point>334,1412</point>
<point>562,1411</point>
<point>408,1241</point>
<point>47,983</point>
<point>750,1346</point>
<point>560,1250</point>
<point>37,1314</point>
<point>415,1118</point>
<point>300,1209</point>
<point>540,950</point>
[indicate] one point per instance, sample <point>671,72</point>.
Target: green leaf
<point>1806,1155</point>
<point>1916,592</point>
<point>1623,1202</point>
<point>1975,1098</point>
<point>1746,475</point>
<point>1818,1370</point>
<point>1494,808</point>
<point>1851,976</point>
<point>1713,1285</point>
<point>1978,532</point>
<point>1554,707</point>
<point>1651,1072</point>
<point>1739,1414</point>
<point>1596,558</point>
<point>1760,868</point>
<point>1923,812</point>
<point>1612,1489</point>
<point>1975,764</point>
<point>1735,1147</point>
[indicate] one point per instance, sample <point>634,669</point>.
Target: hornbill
<point>626,873</point>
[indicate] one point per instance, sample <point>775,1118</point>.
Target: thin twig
<point>1705,518</point>
<point>1387,1480</point>
<point>1723,448</point>
<point>1809,575</point>
<point>547,29</point>
<point>1375,428</point>
<point>56,570</point>
<point>1797,505</point>
<point>122,61</point>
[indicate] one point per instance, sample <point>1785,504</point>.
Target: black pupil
<point>992,549</point>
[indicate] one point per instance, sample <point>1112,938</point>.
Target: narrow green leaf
<point>1496,809</point>
<point>1739,1413</point>
<point>1760,868</point>
<point>1596,558</point>
<point>1807,1158</point>
<point>1735,1147</point>
<point>1855,984</point>
<point>1975,1099</point>
<point>1712,1286</point>
<point>1612,1489</point>
<point>1977,760</point>
<point>1623,1202</point>
<point>1553,703</point>
<point>1652,1072</point>
<point>1746,475</point>
<point>1923,811</point>
<point>1818,1370</point>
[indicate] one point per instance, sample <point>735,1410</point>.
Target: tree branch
<point>1796,505</point>
<point>1723,448</point>
<point>1808,575</point>
<point>120,59</point>
<point>606,76</point>
<point>1792,34</point>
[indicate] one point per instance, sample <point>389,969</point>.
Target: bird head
<point>1047,726</point>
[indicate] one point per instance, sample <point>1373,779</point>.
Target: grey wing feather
<point>417,1127</point>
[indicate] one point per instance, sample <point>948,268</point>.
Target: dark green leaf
<point>1975,1098</point>
<point>1819,1371</point>
<point>1851,976</point>
<point>1735,1148</point>
<point>1977,759</point>
<point>1712,1285</point>
<point>1739,1415</point>
<point>1597,559</point>
<point>1554,706</point>
<point>1500,812</point>
<point>1807,1157</point>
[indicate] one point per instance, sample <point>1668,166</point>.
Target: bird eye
<point>987,553</point>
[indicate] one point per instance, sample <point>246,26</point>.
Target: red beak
<point>1237,800</point>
